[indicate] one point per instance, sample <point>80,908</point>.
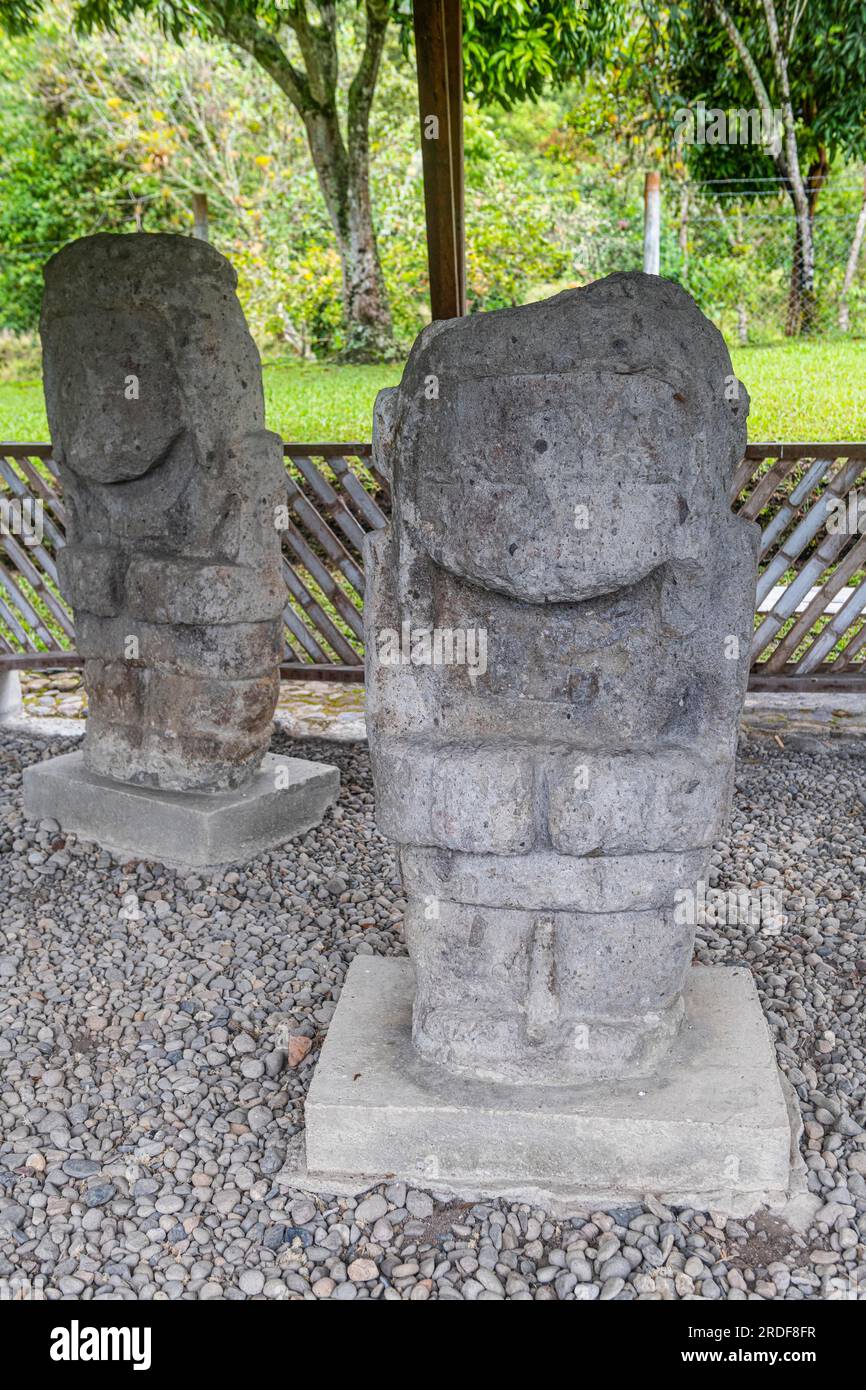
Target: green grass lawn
<point>322,403</point>
<point>805,391</point>
<point>799,391</point>
<point>303,402</point>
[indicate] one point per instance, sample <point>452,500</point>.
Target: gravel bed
<point>155,1051</point>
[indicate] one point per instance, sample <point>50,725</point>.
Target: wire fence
<point>734,245</point>
<point>746,260</point>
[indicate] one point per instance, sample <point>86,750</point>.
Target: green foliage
<point>513,241</point>
<point>671,56</point>
<point>54,178</point>
<point>826,70</point>
<point>169,121</point>
<point>20,355</point>
<point>553,187</point>
<point>513,50</point>
<point>20,16</point>
<point>738,255</point>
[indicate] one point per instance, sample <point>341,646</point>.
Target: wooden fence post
<point>651,222</point>
<point>200,226</point>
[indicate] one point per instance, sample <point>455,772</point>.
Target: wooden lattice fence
<point>336,495</point>
<point>810,627</point>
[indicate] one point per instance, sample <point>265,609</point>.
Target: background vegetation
<point>115,130</point>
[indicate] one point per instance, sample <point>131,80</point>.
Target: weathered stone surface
<point>611,980</point>
<point>484,796</point>
<point>170,480</point>
<point>558,624</point>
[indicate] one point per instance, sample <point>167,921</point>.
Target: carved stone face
<point>556,487</point>
<point>113,394</point>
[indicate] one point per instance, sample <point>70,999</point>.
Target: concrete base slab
<point>47,726</point>
<point>808,722</point>
<point>711,1128</point>
<point>287,797</point>
<point>11,703</point>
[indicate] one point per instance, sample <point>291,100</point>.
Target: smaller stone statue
<point>170,480</point>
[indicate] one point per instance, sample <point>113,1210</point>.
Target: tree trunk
<point>786,156</point>
<point>802,299</point>
<point>344,178</point>
<point>342,167</point>
<point>368,316</point>
<point>851,267</point>
<point>797,289</point>
<point>367,312</point>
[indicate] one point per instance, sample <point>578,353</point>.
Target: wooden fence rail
<point>335,496</point>
<point>810,626</point>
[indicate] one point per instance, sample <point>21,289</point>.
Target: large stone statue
<point>558,626</point>
<point>172,560</point>
<point>172,563</point>
<point>557,630</point>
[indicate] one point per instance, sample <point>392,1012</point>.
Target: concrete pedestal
<point>11,703</point>
<point>287,797</point>
<point>709,1128</point>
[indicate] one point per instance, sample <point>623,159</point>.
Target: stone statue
<point>172,563</point>
<point>558,628</point>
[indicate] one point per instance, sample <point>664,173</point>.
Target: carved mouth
<point>161,461</point>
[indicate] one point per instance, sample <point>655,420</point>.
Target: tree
<point>803,63</point>
<point>512,50</point>
<point>851,264</point>
<point>781,41</point>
